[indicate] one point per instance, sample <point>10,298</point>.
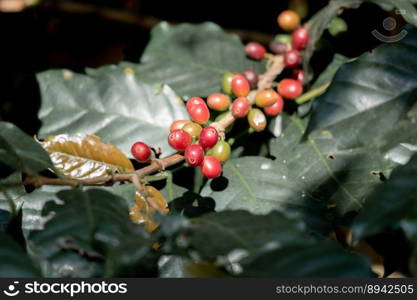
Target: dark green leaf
<point>113,103</point>
<point>13,260</point>
<point>20,152</point>
<point>324,259</point>
<point>90,228</point>
<point>13,194</point>
<point>192,58</point>
<point>261,185</point>
<point>322,19</point>
<point>389,203</point>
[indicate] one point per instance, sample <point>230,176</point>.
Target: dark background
<point>91,33</point>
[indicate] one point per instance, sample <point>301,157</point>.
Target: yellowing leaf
<point>141,211</point>
<point>85,156</point>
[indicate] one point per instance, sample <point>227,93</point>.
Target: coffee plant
<point>210,158</point>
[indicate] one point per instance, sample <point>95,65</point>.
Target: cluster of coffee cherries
<point>291,47</point>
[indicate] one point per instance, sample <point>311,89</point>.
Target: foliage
<point>347,160</point>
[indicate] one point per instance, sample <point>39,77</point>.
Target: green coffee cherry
<point>257,119</point>
<point>283,38</point>
<point>227,83</point>
<point>221,151</point>
<point>337,26</point>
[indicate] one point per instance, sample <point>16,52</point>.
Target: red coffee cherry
<point>255,50</point>
<point>292,59</point>
<point>178,124</point>
<point>194,155</point>
<point>208,137</point>
<point>198,110</point>
<point>240,107</point>
<point>266,98</point>
<point>252,77</point>
<point>275,109</point>
<point>141,152</point>
<point>240,86</point>
<point>288,20</point>
<point>298,75</point>
<point>219,102</point>
<point>300,38</point>
<point>179,139</point>
<point>211,167</point>
<point>290,88</point>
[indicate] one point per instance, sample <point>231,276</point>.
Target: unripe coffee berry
<point>221,151</point>
<point>227,83</point>
<point>300,39</point>
<point>208,137</point>
<point>141,152</point>
<point>288,20</point>
<point>179,124</point>
<point>252,77</point>
<point>179,139</point>
<point>240,86</point>
<point>194,155</point>
<point>255,50</point>
<point>275,109</point>
<point>290,88</point>
<point>292,59</point>
<point>219,102</point>
<point>257,119</point>
<point>193,129</point>
<point>278,47</point>
<point>198,110</point>
<point>266,98</point>
<point>240,107</point>
<point>211,167</point>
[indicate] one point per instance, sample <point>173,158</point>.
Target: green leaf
<point>271,245</point>
<point>389,203</point>
<point>327,76</point>
<point>20,152</point>
<point>327,171</point>
<point>13,194</point>
<point>218,234</point>
<point>261,185</point>
<point>112,103</point>
<point>91,230</point>
<point>13,260</point>
<point>192,58</point>
<point>324,260</point>
<point>322,19</point>
<point>379,87</point>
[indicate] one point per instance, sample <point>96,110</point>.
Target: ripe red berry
<point>208,137</point>
<point>252,77</point>
<point>219,102</point>
<point>298,75</point>
<point>141,152</point>
<point>198,110</point>
<point>288,20</point>
<point>300,39</point>
<point>211,167</point>
<point>194,155</point>
<point>240,107</point>
<point>290,88</point>
<point>292,59</point>
<point>255,50</point>
<point>266,98</point>
<point>179,139</point>
<point>178,124</point>
<point>240,86</point>
<point>275,109</point>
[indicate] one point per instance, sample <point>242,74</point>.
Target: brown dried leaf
<point>141,211</point>
<point>85,156</point>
